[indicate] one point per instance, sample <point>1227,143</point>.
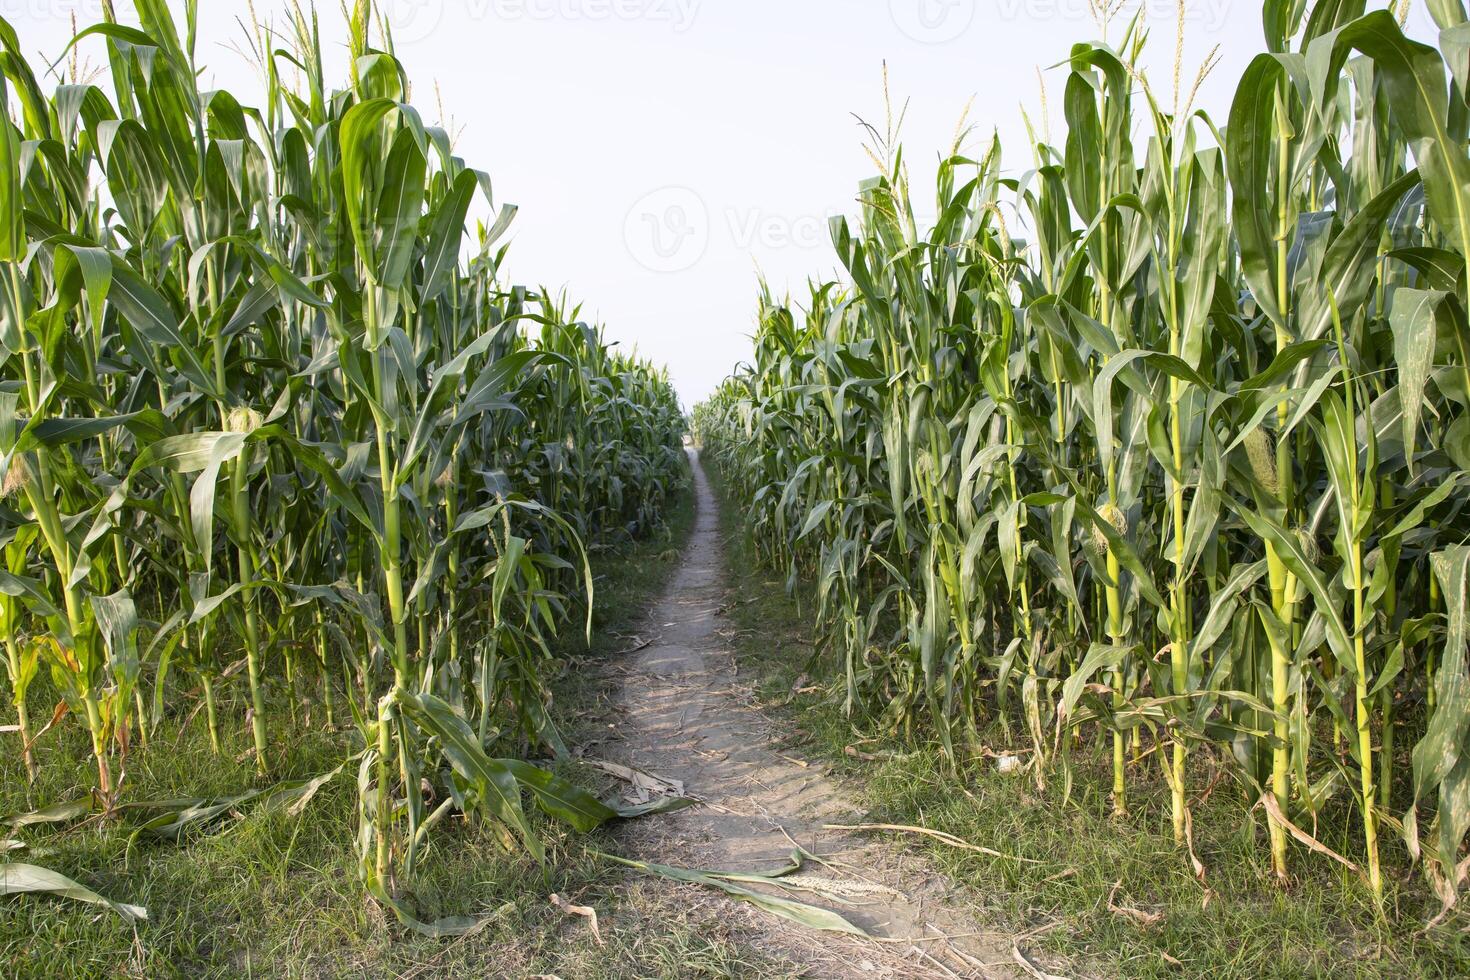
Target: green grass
<point>1323,925</point>
<point>270,895</point>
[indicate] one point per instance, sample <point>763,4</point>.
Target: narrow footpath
<point>687,716</point>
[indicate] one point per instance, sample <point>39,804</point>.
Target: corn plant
<point>267,416</point>
<point>1179,462</point>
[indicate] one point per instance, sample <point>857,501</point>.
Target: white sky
<point>662,152</point>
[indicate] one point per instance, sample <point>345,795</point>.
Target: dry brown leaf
<point>1268,800</point>
<point>1145,919</point>
<point>938,835</point>
<point>645,785</point>
<point>1448,893</point>
<point>585,911</point>
<point>799,688</point>
<point>57,713</point>
<point>881,755</point>
<point>1199,866</point>
<point>986,752</point>
<point>1030,967</point>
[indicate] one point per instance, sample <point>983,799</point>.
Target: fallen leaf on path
<point>1145,919</point>
<point>799,687</point>
<point>839,888</point>
<point>55,813</point>
<point>881,755</point>
<point>309,790</point>
<point>938,835</point>
<point>1030,967</point>
<point>645,785</point>
<point>585,911</point>
<point>810,916</point>
<point>986,752</point>
<point>22,879</point>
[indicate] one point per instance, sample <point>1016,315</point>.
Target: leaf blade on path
<point>31,879</point>
<point>811,916</point>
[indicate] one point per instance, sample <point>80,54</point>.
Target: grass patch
<point>1119,895</point>
<point>275,896</point>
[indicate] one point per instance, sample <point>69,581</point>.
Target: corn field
<point>1158,446</point>
<point>264,429</point>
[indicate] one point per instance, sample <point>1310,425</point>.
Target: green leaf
<point>442,256</point>
<point>65,812</point>
<point>12,226</point>
<point>28,879</point>
<point>495,781</point>
<point>360,141</point>
<point>1413,318</point>
<point>1250,137</point>
<point>1441,751</point>
<point>810,916</point>
<point>150,315</point>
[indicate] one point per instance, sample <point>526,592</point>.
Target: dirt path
<point>687,716</point>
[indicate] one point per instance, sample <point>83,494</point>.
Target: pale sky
<point>663,153</point>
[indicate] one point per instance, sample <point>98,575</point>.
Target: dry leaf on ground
<point>585,911</point>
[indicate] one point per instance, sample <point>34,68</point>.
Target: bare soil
<point>687,715</point>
